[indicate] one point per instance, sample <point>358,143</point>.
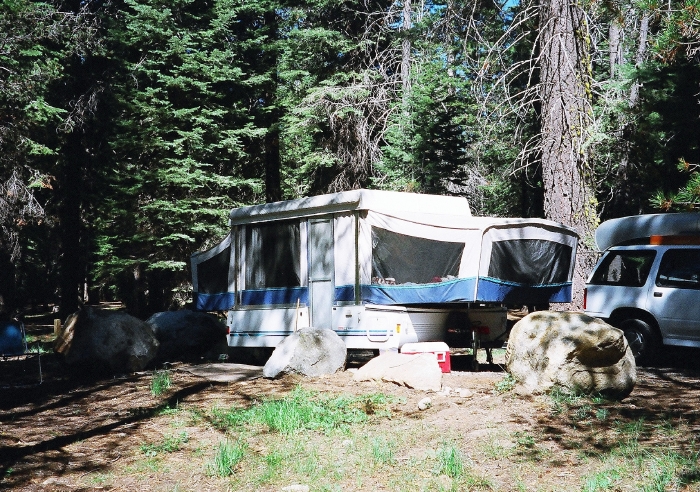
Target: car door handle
<point>658,294</point>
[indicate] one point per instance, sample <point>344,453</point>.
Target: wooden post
<point>56,327</point>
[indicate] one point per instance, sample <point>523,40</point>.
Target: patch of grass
<point>631,430</point>
<point>524,439</point>
<point>582,413</point>
<point>38,347</point>
<point>671,470</point>
<point>170,444</point>
<point>160,382</point>
<point>273,462</point>
<point>602,414</point>
<point>506,384</point>
<point>449,461</point>
<point>601,481</point>
<point>167,410</point>
<point>383,451</point>
<point>228,456</point>
<point>305,410</point>
<point>150,465</point>
<point>100,479</point>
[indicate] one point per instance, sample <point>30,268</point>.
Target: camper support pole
<point>358,293</point>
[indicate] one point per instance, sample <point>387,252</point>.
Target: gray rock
<point>94,341</point>
<point>570,350</point>
<point>425,404</point>
<point>417,371</point>
<point>186,335</point>
<point>309,352</point>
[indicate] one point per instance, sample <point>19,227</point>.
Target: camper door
<point>320,251</point>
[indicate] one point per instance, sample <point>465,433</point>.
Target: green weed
<point>506,384</point>
<point>160,383</point>
<point>602,414</point>
<point>170,444</point>
<point>450,461</point>
<point>582,413</point>
<point>100,479</point>
<point>227,457</point>
<point>524,439</point>
<point>383,451</point>
<point>671,470</point>
<point>601,481</point>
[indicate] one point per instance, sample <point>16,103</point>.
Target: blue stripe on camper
<point>214,302</point>
<point>494,290</point>
<point>458,290</point>
<point>283,295</point>
<point>345,293</point>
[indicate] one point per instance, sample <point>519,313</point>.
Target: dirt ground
<point>57,434</point>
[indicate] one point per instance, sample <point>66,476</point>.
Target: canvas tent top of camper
<point>384,248</point>
<point>413,206</point>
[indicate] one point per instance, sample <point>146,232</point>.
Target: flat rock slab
<point>417,371</point>
<point>225,372</point>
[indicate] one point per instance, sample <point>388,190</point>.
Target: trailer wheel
<point>642,339</point>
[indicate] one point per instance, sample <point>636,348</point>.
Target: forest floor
<point>82,433</point>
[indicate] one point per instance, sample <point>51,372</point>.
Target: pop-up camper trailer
<point>380,268</point>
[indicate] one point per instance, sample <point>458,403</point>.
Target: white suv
<point>651,292</point>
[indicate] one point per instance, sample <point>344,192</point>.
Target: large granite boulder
<point>187,335</point>
<point>570,350</point>
<point>96,341</point>
<point>417,371</point>
<point>309,352</point>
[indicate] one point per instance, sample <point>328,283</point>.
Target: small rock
<point>465,393</point>
<point>425,403</point>
<point>347,443</point>
<point>446,390</point>
<point>296,488</point>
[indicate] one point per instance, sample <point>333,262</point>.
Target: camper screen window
<point>273,256</point>
<point>401,259</point>
<point>212,274</point>
<point>530,261</point>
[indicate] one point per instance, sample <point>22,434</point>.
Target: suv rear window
<point>680,268</point>
<point>624,268</point>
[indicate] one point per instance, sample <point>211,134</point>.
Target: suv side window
<point>624,268</point>
<point>680,268</point>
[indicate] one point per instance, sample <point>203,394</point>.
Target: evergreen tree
<point>179,145</point>
<point>39,40</point>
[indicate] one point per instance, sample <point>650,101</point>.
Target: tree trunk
<point>568,179</point>
<point>406,51</point>
<point>8,284</point>
<point>71,262</point>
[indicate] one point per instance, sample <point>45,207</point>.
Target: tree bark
<point>565,84</point>
<point>406,51</point>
